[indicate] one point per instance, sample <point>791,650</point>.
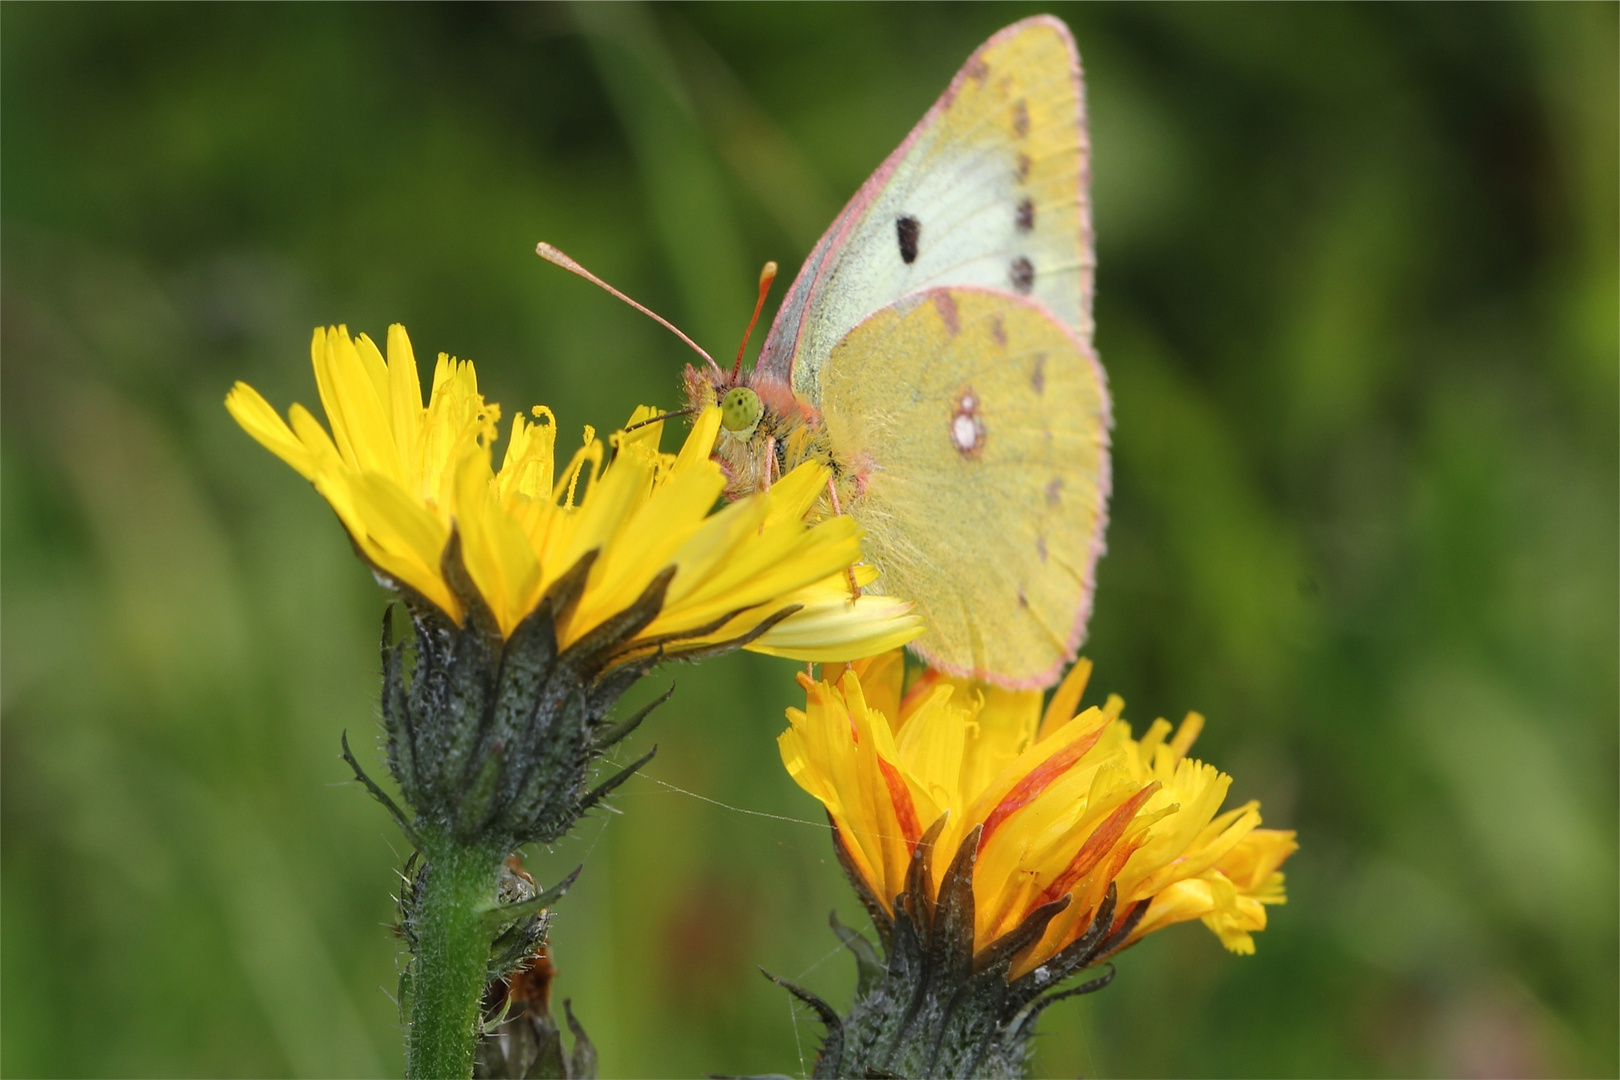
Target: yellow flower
<point>416,489</point>
<point>1062,807</point>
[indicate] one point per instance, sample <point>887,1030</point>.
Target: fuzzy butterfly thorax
<point>786,433</point>
<point>935,352</point>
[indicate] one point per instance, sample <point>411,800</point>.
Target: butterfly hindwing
<point>975,426</point>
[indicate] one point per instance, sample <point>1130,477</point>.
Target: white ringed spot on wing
<point>967,425</point>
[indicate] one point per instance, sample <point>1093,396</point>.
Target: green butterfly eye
<point>740,410</point>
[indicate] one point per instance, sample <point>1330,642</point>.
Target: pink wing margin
<point>772,374</point>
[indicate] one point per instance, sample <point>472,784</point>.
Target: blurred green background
<point>1358,304</point>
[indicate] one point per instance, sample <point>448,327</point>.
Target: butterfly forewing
<point>988,190</point>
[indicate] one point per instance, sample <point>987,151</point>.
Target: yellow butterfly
<point>935,352</point>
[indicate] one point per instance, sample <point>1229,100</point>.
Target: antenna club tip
<point>553,254</point>
<point>768,274</point>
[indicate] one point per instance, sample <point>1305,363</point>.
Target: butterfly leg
<point>838,511</point>
<point>770,459</point>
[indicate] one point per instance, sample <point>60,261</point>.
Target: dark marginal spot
<point>1037,378</point>
<point>946,306</point>
<point>1026,214</point>
<point>909,230</point>
<point>1022,275</point>
<point>1040,547</point>
<point>977,69</point>
<point>998,330</point>
<point>1020,118</point>
<point>1022,163</point>
<point>1023,601</point>
<point>1054,491</point>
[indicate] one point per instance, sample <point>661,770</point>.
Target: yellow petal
<point>376,369</point>
<point>700,441</point>
<point>262,422</point>
<point>355,408</point>
<point>405,401</point>
<point>1066,698</point>
<point>496,553</point>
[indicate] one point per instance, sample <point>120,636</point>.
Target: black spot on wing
<point>1026,214</point>
<point>1022,275</point>
<point>908,230</point>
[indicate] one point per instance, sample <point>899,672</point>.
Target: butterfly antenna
<point>766,276</point>
<point>552,255</point>
<point>655,419</point>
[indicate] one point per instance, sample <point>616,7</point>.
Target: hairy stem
<point>452,957</point>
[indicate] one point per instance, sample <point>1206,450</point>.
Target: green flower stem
<point>452,958</point>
